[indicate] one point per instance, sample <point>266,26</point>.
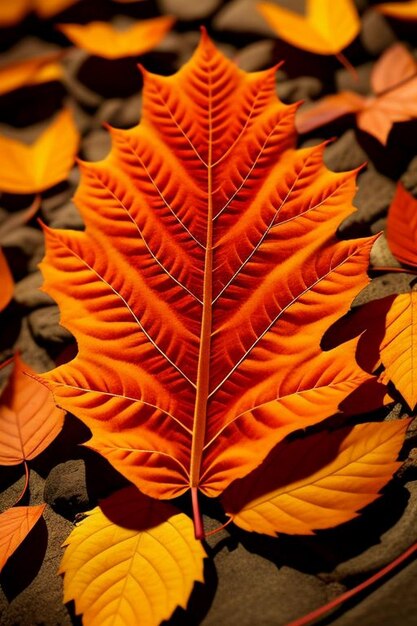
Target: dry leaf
<point>323,479</point>
<point>103,40</point>
<point>34,168</point>
<point>394,81</point>
<point>327,28</point>
<point>13,11</point>
<point>29,419</point>
<point>6,282</point>
<point>399,10</point>
<point>398,347</point>
<point>402,226</point>
<point>15,524</point>
<point>133,560</point>
<point>41,69</point>
<point>206,277</point>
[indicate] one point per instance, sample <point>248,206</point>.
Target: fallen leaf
<point>327,28</point>
<point>398,347</point>
<point>394,80</point>
<point>15,524</point>
<point>103,40</point>
<point>29,419</point>
<point>132,560</point>
<point>13,11</point>
<point>41,69</point>
<point>402,226</point>
<point>34,168</point>
<point>48,8</point>
<point>399,10</point>
<point>323,479</point>
<point>206,277</point>
<point>6,281</point>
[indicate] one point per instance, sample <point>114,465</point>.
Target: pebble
<point>120,113</point>
<point>345,153</point>
<point>186,10</point>
<point>72,64</point>
<point>241,16</point>
<point>66,488</point>
<point>376,33</point>
<point>346,82</point>
<point>96,145</point>
<point>302,88</point>
<point>256,56</point>
<point>409,179</point>
<point>28,294</point>
<point>45,328</point>
<point>66,216</point>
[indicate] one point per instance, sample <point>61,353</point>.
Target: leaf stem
<point>307,619</point>
<point>25,486</point>
<point>219,528</point>
<point>348,65</point>
<point>198,520</point>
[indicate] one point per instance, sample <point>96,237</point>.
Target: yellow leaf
<point>15,524</point>
<point>131,562</point>
<point>34,168</point>
<point>399,10</point>
<point>30,72</point>
<point>327,28</point>
<point>398,347</point>
<point>323,479</point>
<point>103,40</point>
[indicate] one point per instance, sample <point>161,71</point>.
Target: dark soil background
<point>250,580</point>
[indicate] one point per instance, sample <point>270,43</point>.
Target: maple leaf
<point>15,524</point>
<point>103,40</point>
<point>394,82</point>
<point>146,556</point>
<point>201,288</point>
<point>29,419</point>
<point>327,27</point>
<point>402,226</point>
<point>36,167</point>
<point>399,10</point>
<point>317,491</point>
<point>41,69</point>
<point>7,282</point>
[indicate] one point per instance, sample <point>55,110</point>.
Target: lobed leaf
<point>29,419</point>
<point>15,524</point>
<point>318,481</point>
<point>133,560</point>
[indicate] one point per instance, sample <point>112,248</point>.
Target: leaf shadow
<point>20,570</point>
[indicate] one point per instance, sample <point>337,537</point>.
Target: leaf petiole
<point>25,486</point>
<point>198,520</point>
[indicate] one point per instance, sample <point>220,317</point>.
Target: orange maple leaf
<point>394,82</point>
<point>201,288</point>
<point>104,40</point>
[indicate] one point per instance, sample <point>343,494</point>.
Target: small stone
<point>186,10</point>
<point>81,116</point>
<point>381,255</point>
<point>66,488</point>
<point>345,153</point>
<point>256,56</point>
<point>51,202</point>
<point>241,16</point>
<point>120,113</point>
<point>45,328</point>
<point>66,216</point>
<point>96,145</point>
<point>27,292</point>
<point>302,88</point>
<point>376,33</point>
<point>346,82</point>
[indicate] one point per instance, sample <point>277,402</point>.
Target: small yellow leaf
<point>399,10</point>
<point>131,562</point>
<point>6,282</point>
<point>30,72</point>
<point>103,40</point>
<point>320,480</point>
<point>15,525</point>
<point>398,347</point>
<point>327,27</point>
<point>34,168</point>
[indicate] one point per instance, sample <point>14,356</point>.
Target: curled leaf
<point>132,560</point>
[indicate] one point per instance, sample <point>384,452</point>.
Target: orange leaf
<point>133,560</point>
<point>399,10</point>
<point>398,346</point>
<point>34,168</point>
<point>29,419</point>
<point>323,479</point>
<point>15,525</point>
<point>103,40</point>
<point>394,80</point>
<point>30,72</point>
<point>202,286</point>
<point>402,226</point>
<point>327,27</point>
<point>7,282</point>
<point>13,11</point>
